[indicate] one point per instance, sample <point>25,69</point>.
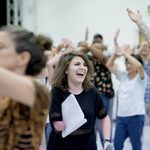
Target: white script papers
<point>73,116</point>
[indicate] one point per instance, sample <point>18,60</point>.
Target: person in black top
<point>72,76</point>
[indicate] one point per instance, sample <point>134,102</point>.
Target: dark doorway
<point>3,12</point>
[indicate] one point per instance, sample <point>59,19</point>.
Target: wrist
<point>106,140</point>
<point>139,23</point>
<point>115,55</point>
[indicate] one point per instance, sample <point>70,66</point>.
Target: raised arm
<point>116,38</point>
<point>84,45</point>
<point>18,87</point>
<point>137,65</point>
<point>86,34</point>
<point>136,17</point>
<point>51,64</point>
<point>97,51</point>
<point>111,65</point>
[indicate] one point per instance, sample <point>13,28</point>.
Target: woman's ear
<point>24,58</point>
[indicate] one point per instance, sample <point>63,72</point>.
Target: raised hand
<point>135,16</point>
<point>83,44</point>
<point>127,48</point>
<point>118,52</point>
<point>68,44</point>
<point>86,34</point>
<point>116,38</point>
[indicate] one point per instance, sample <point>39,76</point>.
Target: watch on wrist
<point>106,140</point>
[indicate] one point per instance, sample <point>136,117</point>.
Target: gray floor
<point>127,145</point>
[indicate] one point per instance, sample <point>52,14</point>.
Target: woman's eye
<point>76,64</point>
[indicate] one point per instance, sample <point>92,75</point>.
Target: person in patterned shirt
<point>23,101</point>
<point>102,76</point>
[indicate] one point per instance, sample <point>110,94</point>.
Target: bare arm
<point>145,30</point>
<point>111,65</point>
<point>97,51</point>
<point>136,17</point>
<point>106,129</point>
<point>116,38</point>
<point>51,64</point>
<point>86,35</point>
<point>84,46</point>
<point>138,66</point>
<point>19,88</point>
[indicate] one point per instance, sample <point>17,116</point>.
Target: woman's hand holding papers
<point>59,125</point>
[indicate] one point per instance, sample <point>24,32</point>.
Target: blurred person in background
<point>102,76</point>
<point>24,102</point>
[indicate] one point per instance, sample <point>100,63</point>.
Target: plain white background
<point>69,18</point>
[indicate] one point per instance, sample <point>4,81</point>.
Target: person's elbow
<point>109,66</point>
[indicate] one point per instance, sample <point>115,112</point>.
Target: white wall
<point>69,18</point>
<point>29,14</point>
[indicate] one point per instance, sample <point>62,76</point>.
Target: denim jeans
<point>48,130</point>
<point>131,127</point>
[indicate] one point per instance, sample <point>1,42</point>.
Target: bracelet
<point>106,140</point>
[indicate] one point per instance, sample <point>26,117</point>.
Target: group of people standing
<point>25,103</point>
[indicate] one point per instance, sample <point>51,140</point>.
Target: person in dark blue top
<point>72,76</point>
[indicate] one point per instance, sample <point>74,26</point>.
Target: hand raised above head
<point>116,37</point>
<point>126,48</point>
<point>83,44</point>
<point>118,52</point>
<point>86,34</point>
<point>99,46</point>
<point>134,16</point>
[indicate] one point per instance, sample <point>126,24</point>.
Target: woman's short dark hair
<point>26,41</point>
<point>97,36</point>
<point>137,57</point>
